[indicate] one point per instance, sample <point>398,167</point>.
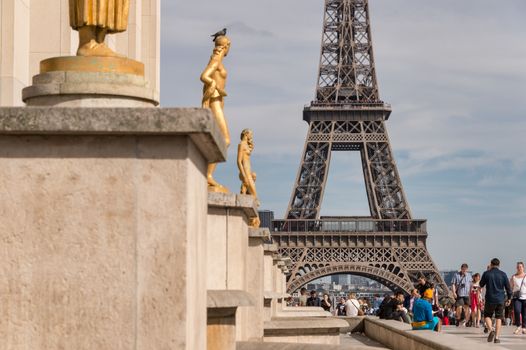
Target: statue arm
<point>206,76</point>
<point>210,83</point>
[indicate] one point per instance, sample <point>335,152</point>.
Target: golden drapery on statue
<point>109,14</point>
<point>94,19</point>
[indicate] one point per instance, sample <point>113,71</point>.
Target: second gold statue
<point>214,79</point>
<point>246,175</point>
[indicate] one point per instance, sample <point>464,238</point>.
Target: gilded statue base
<point>92,64</point>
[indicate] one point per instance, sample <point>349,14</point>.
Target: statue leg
<point>87,36</point>
<point>101,35</point>
<point>210,175</point>
<point>217,110</point>
<point>91,42</point>
<point>216,105</point>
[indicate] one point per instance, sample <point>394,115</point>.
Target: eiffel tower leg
<point>310,182</point>
<point>381,174</point>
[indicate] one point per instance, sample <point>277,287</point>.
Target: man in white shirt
<point>461,287</point>
<point>352,306</point>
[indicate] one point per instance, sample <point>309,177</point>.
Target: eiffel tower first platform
<point>348,115</point>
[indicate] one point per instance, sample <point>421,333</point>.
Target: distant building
<point>343,280</point>
<point>266,217</point>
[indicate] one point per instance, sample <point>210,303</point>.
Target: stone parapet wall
<point>104,217</point>
<point>399,336</point>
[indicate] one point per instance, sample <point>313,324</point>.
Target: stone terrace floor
<point>507,338</point>
<point>359,341</point>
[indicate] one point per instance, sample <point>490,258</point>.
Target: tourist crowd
<point>488,300</point>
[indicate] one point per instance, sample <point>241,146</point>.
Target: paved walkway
<point>358,341</point>
<point>507,338</point>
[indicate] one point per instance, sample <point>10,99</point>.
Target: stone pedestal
<point>255,281</point>
<point>221,323</point>
<point>89,89</point>
<point>270,294</point>
<point>104,217</point>
<point>227,248</point>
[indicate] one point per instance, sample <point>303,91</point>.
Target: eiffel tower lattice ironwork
<point>348,115</point>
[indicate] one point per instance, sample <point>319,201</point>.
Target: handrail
<point>348,105</point>
<point>348,225</point>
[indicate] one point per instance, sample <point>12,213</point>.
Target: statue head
<point>246,134</point>
<point>222,45</point>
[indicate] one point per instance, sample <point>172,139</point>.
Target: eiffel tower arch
<point>348,115</point>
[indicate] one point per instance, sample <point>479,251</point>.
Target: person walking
<point>474,296</point>
<point>461,286</point>
<point>497,289</point>
<point>518,286</point>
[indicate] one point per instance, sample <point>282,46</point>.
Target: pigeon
<point>222,32</point>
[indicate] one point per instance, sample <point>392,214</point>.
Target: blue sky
<point>454,72</point>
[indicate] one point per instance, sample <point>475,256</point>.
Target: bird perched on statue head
<point>222,32</point>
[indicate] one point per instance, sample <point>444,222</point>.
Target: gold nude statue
<point>94,19</point>
<point>246,175</point>
<point>244,150</point>
<point>214,80</point>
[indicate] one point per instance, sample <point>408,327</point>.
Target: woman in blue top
<point>423,318</point>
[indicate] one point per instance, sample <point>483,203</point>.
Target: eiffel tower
<point>348,115</point>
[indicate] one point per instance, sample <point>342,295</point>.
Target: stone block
<point>103,245</point>
<point>196,123</point>
<point>286,346</point>
<point>255,281</point>
<point>221,318</point>
<point>228,250</point>
<point>303,311</point>
<point>308,330</point>
<point>356,324</point>
<point>399,336</point>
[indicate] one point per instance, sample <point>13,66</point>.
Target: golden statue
<point>94,19</point>
<point>246,175</point>
<point>214,80</point>
<point>244,150</point>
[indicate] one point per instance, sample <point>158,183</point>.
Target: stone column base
<point>221,318</point>
<point>89,89</point>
